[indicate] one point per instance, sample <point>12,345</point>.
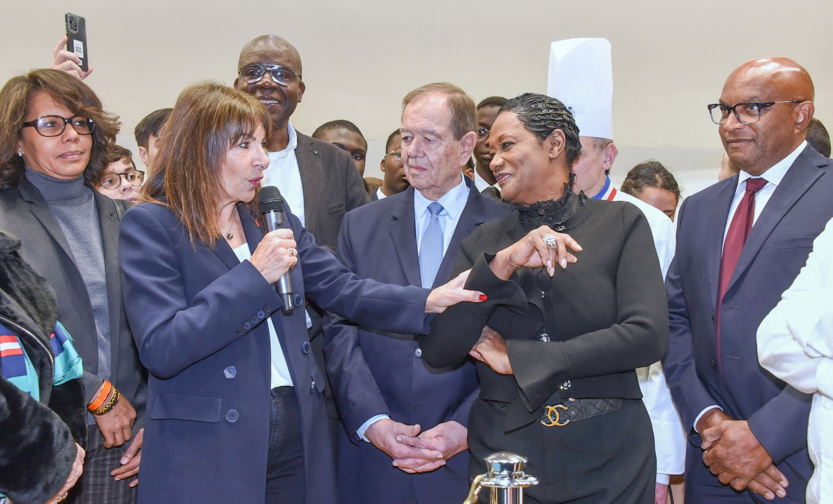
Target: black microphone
<point>271,206</point>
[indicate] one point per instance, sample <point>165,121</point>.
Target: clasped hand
<point>413,452</point>
<point>737,458</point>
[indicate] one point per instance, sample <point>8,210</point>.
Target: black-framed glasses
<point>53,125</point>
<point>282,75</point>
<point>113,179</point>
<point>482,132</point>
<point>745,113</point>
<point>397,155</point>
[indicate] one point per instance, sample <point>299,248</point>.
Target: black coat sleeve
<point>36,447</point>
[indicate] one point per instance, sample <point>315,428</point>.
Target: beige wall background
<point>670,58</point>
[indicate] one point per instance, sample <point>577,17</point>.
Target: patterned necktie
<point>431,251</point>
<point>735,238</point>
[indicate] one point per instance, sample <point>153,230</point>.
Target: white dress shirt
<point>481,185</point>
<point>795,343</point>
<point>773,177</point>
<point>283,173</point>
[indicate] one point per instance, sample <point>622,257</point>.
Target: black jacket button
<point>298,300</point>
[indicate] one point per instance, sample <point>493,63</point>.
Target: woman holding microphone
<point>235,404</point>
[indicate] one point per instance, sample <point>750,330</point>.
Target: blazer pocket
<point>194,407</point>
<point>336,209</point>
<point>794,243</point>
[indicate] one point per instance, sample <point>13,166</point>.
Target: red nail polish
<point>484,297</point>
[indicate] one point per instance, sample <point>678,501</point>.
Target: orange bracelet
<point>101,397</point>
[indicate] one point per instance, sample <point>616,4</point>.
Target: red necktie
<point>733,245</point>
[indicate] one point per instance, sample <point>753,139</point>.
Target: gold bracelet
<point>110,405</point>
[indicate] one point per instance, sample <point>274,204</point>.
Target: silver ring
<point>549,240</point>
<point>292,252</point>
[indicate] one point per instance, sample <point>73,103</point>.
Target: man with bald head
<point>317,180</point>
<point>740,244</point>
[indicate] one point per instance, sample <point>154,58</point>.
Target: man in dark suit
<point>740,244</point>
<point>318,180</point>
<point>392,404</point>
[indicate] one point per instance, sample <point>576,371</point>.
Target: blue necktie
<point>431,251</point>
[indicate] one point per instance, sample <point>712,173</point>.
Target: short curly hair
<point>15,100</point>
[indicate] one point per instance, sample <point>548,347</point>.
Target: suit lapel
<point>403,234</point>
<point>715,226</point>
<point>222,248</point>
<point>251,228</point>
<point>471,217</point>
<point>108,222</point>
<point>798,179</point>
<point>40,209</point>
<point>312,175</point>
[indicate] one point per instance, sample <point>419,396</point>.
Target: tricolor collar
<point>608,192</point>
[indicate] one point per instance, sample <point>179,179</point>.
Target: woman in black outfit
<point>557,353</point>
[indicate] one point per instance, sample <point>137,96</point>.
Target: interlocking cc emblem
<point>553,416</point>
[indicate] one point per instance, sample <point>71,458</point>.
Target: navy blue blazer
<point>374,373</point>
<point>197,316</point>
<point>775,251</point>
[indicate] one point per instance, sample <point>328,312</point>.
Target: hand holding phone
<point>68,62</point>
<point>76,42</point>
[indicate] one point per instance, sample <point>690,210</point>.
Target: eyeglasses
<point>254,72</point>
<point>113,179</point>
<point>53,125</point>
<point>397,155</point>
<point>745,113</point>
<point>482,132</point>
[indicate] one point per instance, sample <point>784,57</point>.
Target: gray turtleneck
<point>73,205</point>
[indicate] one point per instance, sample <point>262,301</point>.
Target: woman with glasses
<point>121,179</point>
<point>54,138</point>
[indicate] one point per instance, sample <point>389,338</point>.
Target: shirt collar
<point>481,184</point>
<point>776,173</point>
<point>453,202</point>
<point>290,145</point>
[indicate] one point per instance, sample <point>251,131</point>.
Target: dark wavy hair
<point>207,120</point>
<point>15,100</point>
<point>541,115</point>
<point>650,173</point>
